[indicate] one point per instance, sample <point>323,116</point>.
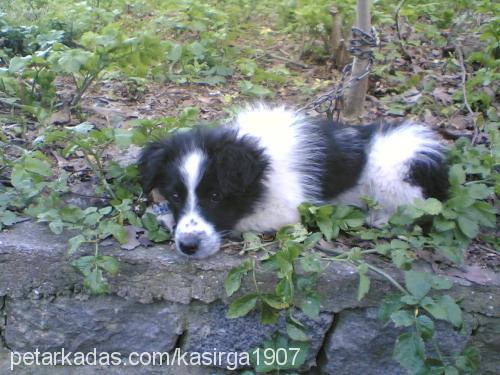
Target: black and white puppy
<point>255,172</point>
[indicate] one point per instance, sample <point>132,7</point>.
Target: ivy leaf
<point>242,306</point>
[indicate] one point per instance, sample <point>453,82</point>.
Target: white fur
<point>388,162</point>
<point>279,133</point>
<point>191,223</point>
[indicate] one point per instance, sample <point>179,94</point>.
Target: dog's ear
<point>152,163</point>
<point>238,167</point>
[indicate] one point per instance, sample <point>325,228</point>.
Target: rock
<point>486,338</point>
<point>211,330</point>
<point>158,301</point>
<point>107,323</point>
<point>362,344</point>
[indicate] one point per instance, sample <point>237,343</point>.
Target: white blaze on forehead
<point>191,224</point>
<point>191,172</point>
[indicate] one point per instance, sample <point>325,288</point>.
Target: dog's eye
<point>215,196</point>
<point>175,197</point>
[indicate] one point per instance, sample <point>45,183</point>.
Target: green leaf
<point>453,311</point>
<point>233,280</point>
<point>310,305</point>
<point>17,63</point>
<point>84,264</point>
<point>418,283</point>
<point>402,318</point>
<point>468,227</point>
<point>38,166</point>
<point>456,175</point>
<point>242,306</point>
<point>430,206</point>
<point>108,264</point>
<point>389,305</point>
<point>296,333</point>
<point>268,315</point>
<point>75,242</point>
<point>441,283</point>
<point>469,361</point>
<point>72,60</point>
<point>326,227</point>
<point>435,309</point>
<point>450,370</point>
<point>425,326</point>
<point>311,263</point>
<point>409,351</point>
<point>275,301</point>
<point>56,226</point>
<point>96,282</point>
<point>364,281</point>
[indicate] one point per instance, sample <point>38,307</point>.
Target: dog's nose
<point>189,245</point>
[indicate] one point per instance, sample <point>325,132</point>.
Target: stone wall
<point>159,302</point>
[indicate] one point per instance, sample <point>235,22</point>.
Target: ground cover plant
<point>83,82</point>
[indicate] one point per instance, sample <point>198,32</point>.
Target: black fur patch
<point>232,180</point>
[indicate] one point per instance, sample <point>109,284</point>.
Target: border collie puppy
<point>255,172</point>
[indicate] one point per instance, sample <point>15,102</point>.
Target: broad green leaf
<point>242,306</point>
<point>402,318</point>
<point>468,227</point>
<point>425,326</point>
<point>364,282</point>
<point>296,333</point>
<point>456,175</point>
<point>430,206</point>
<point>17,63</point>
<point>84,264</point>
<point>409,351</point>
<point>389,305</point>
<point>310,305</point>
<point>233,280</point>
<point>96,282</point>
<point>275,301</point>
<point>418,283</point>
<point>310,263</point>
<point>75,242</point>
<point>56,226</point>
<point>108,264</point>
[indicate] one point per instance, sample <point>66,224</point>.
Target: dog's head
<point>211,179</point>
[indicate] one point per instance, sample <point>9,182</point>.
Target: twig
<point>291,62</point>
<point>388,277</point>
<point>405,54</point>
<point>464,91</point>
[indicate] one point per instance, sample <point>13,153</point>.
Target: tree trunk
<point>355,95</point>
<point>339,50</point>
